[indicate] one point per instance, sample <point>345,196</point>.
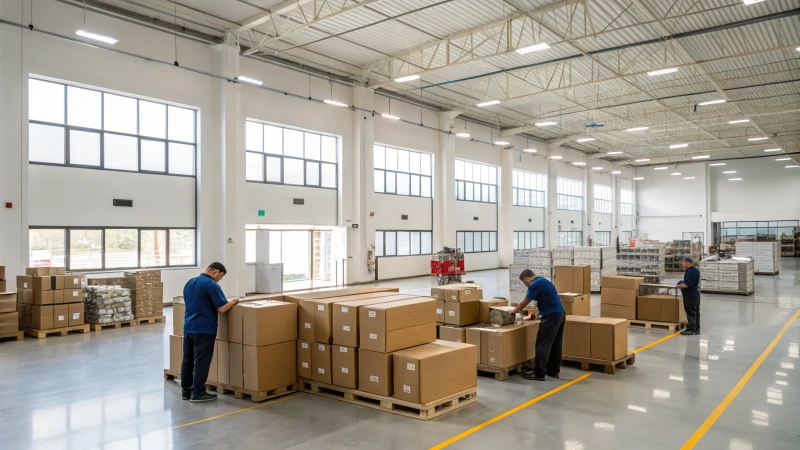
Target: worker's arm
<point>228,305</point>
<point>521,305</point>
<point>218,299</point>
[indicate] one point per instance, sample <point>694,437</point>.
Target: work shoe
<point>555,375</point>
<point>533,376</point>
<point>688,333</point>
<point>185,396</point>
<point>204,398</point>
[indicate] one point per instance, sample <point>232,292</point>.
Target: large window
<point>529,189</point>
<point>626,202</point>
<point>570,194</point>
<point>602,237</point>
<point>402,172</point>
<point>476,241</point>
<point>112,248</point>
<point>80,127</point>
<point>602,199</point>
<point>476,182</point>
<point>625,237</point>
<point>402,243</point>
<point>570,238</point>
<point>287,156</point>
<point>761,230</point>
<point>524,240</point>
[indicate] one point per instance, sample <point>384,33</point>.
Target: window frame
<point>625,208</point>
<point>463,250</point>
<point>563,199</point>
<point>570,238</point>
<point>597,235</point>
<point>603,204</point>
<point>68,129</point>
<point>67,247</point>
<point>282,156</point>
<point>382,251</point>
<point>515,189</point>
<point>480,184</point>
<point>398,172</point>
<point>517,234</point>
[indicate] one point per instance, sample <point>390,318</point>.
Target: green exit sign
<point>260,213</point>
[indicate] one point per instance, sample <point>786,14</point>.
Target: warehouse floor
<point>106,391</point>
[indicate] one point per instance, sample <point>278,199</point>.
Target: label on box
<point>24,285</point>
<point>321,347</point>
<point>342,349</point>
<point>344,309</point>
<point>74,293</point>
<point>308,325</point>
<point>406,389</point>
<point>305,365</point>
<point>304,345</point>
<point>77,280</point>
<point>372,314</point>
<point>439,311</point>
<point>76,316</point>
<point>452,313</point>
<point>491,359</point>
<point>373,378</point>
<point>467,291</point>
<point>60,318</point>
<point>454,297</point>
<point>373,336</point>
<point>344,369</point>
<point>410,366</point>
<point>320,370</point>
<point>346,328</point>
<point>320,307</point>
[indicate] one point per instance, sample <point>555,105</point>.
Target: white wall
<point>319,208</point>
<point>389,209</point>
<point>391,267</point>
<point>768,191</point>
<point>669,205</point>
<point>527,219</point>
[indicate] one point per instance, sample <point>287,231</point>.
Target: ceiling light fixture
<point>500,143</point>
<point>614,153</point>
<point>250,80</point>
<point>729,171</point>
<point>675,174</point>
<point>716,164</point>
<point>752,2</point>
<point>533,48</point>
<point>579,163</point>
<point>662,71</point>
<point>732,122</point>
<point>529,150</point>
<point>734,179</point>
<point>701,157</point>
<point>638,178</point>
<point>792,166</point>
<point>712,102</point>
<point>661,168</point>
<point>586,140</point>
<point>556,157</point>
<point>762,138</point>
<point>689,178</point>
<point>489,103</point>
<point>770,150</point>
<point>463,135</point>
<point>389,116</point>
<point>637,129</point>
<point>643,160</point>
<point>335,103</point>
<point>97,37</point>
<point>545,124</point>
<point>783,159</point>
<point>678,145</point>
<point>615,172</point>
<point>597,168</point>
<point>407,78</point>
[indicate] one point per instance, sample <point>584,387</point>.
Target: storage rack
<point>647,262</point>
<point>679,249</point>
<point>787,245</point>
<point>727,276</point>
<point>603,261</point>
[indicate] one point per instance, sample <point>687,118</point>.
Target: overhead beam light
<point>761,138</point>
<point>637,129</point>
<point>335,103</point>
<point>500,143</point>
<point>489,103</point>
<point>716,164</point>
<point>615,172</point>
<point>661,168</point>
<point>770,150</point>
<point>712,102</point>
<point>675,174</point>
<point>407,78</point>
<point>783,159</point>
<point>689,178</point>
<point>662,71</point>
<point>529,150</point>
<point>729,171</point>
<point>734,179</point>
<point>586,140</point>
<point>389,116</point>
<point>638,178</point>
<point>250,80</point>
<point>579,163</point>
<point>701,157</point>
<point>642,160</point>
<point>533,48</point>
<point>732,122</point>
<point>463,135</point>
<point>614,153</point>
<point>545,124</point>
<point>794,166</point>
<point>556,157</point>
<point>752,2</point>
<point>97,37</point>
<point>678,145</point>
<point>597,168</point>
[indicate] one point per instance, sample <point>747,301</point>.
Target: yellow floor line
<point>695,438</point>
<point>240,410</point>
<point>509,412</point>
<point>645,347</point>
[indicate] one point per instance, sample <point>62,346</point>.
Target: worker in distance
<point>689,287</point>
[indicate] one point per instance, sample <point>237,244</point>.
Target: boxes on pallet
<point>440,312</point>
<point>452,334</point>
<point>609,338</point>
<point>577,340</point>
<point>9,322</point>
<point>563,257</point>
<point>223,362</point>
<point>175,352</point>
<point>461,314</point>
<point>660,308</point>
<point>178,313</point>
<point>575,304</point>
<point>458,293</point>
<point>321,363</point>
<point>387,327</point>
<point>345,316</point>
<point>25,296</point>
<point>269,367</point>
<point>344,366</point>
<point>735,275</point>
<point>304,359</point>
<point>266,322</point>
<point>8,302</point>
<point>646,261</point>
<point>765,255</point>
<point>603,261</point>
<point>433,371</point>
<point>618,297</point>
<point>41,317</point>
<point>485,304</point>
<point>375,372</point>
<point>76,314</point>
<point>107,304</point>
<point>504,346</point>
<point>213,369</point>
<point>573,279</point>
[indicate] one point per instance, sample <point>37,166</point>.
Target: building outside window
<point>569,194</point>
<point>524,240</point>
<point>570,238</point>
<point>602,237</point>
<point>402,172</point>
<point>476,241</point>
<point>529,189</point>
<point>402,243</point>
<point>475,182</point>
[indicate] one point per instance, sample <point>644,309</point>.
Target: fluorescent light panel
<point>689,178</point>
<point>712,102</point>
<point>586,140</point>
<point>615,172</point>
<point>729,171</point>
<point>662,71</point>
<point>637,129</point>
<point>732,122</point>
<point>783,159</point>
<point>556,157</point>
<point>716,164</point>
<point>533,48</point>
<point>792,166</point>
<point>752,2</point>
<point>614,153</point>
<point>579,163</point>
<point>529,150</point>
<point>734,179</point>
<point>96,37</point>
<point>675,174</point>
<point>701,157</point>
<point>389,116</point>
<point>489,103</point>
<point>770,150</point>
<point>643,160</point>
<point>597,168</point>
<point>407,78</point>
<point>500,143</point>
<point>638,178</point>
<point>250,80</point>
<point>661,168</point>
<point>762,138</point>
<point>463,135</point>
<point>545,124</point>
<point>335,103</point>
<point>678,145</point>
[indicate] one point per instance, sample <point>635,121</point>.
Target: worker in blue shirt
<point>691,296</point>
<point>551,330</point>
<point>204,299</point>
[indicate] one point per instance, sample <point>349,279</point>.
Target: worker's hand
<point>530,317</point>
<point>235,301</point>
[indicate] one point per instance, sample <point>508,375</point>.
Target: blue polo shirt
<point>692,279</point>
<point>546,296</point>
<point>203,297</point>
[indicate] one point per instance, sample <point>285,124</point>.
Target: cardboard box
<point>3,286</point>
<point>2,272</point>
<point>398,314</point>
<point>375,372</point>
<point>58,270</point>
<point>268,322</point>
<point>622,282</point>
<point>57,282</point>
<point>440,311</point>
<point>73,281</point>
<point>320,352</point>
<point>621,297</point>
<point>304,359</point>
<point>41,317</point>
<point>609,338</point>
<point>483,316</point>
<point>75,314</point>
<point>461,292</point>
<point>42,283</point>
<point>324,310</point>
<point>223,362</point>
<point>577,340</point>
<point>660,308</point>
<point>390,341</point>
<point>235,324</point>
<point>621,312</point>
<point>573,279</point>
<point>24,282</point>
<point>178,313</point>
<point>344,366</point>
<point>213,369</point>
<point>432,371</point>
<point>58,297</point>
<point>8,302</point>
<point>270,367</point>
<point>73,295</point>
<point>175,353</point>
<point>9,322</point>
<point>236,358</point>
<point>453,334</point>
<point>460,314</point>
<point>60,316</point>
<point>321,371</point>
<point>42,297</point>
<point>25,316</point>
<point>576,304</point>
<point>25,296</point>
<point>345,316</point>
<point>37,271</point>
<point>504,346</point>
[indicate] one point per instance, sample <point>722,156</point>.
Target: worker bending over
<point>551,330</point>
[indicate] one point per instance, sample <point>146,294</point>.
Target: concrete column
<point>13,150</point>
<point>359,173</point>
<point>444,189</point>
<point>590,221</point>
<point>616,217</point>
<point>552,227</point>
<point>505,228</point>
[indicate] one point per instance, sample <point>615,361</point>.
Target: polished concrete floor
<point>107,391</point>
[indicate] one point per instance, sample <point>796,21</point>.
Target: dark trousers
<point>548,345</point>
<point>692,308</point>
<point>197,352</point>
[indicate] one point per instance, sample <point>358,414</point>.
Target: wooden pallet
<point>767,273</point>
<point>426,411</point>
<point>240,393</point>
<point>501,374</point>
<point>41,334</point>
<point>16,335</point>
<point>609,367</point>
<point>150,319</point>
<point>715,291</point>
<point>661,326</point>
<point>98,327</point>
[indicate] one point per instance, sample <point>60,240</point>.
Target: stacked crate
<point>147,292</point>
<point>646,261</point>
<point>563,257</point>
<point>9,317</point>
<point>49,299</point>
<point>602,259</point>
<point>539,260</point>
<point>765,255</point>
<point>108,304</point>
<point>734,276</point>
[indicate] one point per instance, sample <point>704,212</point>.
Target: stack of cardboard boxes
<point>505,346</point>
<point>457,307</point>
<point>3,284</point>
<point>574,286</point>
<point>619,296</point>
<point>660,308</point>
<point>600,338</point>
<point>48,298</point>
<point>147,292</point>
<point>9,318</point>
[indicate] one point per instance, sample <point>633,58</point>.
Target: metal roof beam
<point>280,9</point>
